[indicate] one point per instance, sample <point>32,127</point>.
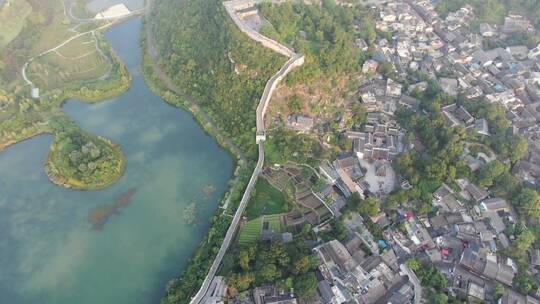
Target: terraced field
<point>250,232</point>
<point>80,59</point>
<point>274,222</point>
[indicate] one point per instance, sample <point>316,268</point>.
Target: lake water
<point>49,253</point>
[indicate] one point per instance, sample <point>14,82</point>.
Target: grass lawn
<point>267,200</point>
<point>251,231</point>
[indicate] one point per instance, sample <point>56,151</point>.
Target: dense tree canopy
<point>286,265</point>
<point>324,34</point>
<point>214,63</point>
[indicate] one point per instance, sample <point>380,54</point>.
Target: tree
<point>437,297</point>
<point>243,260</point>
<point>387,69</point>
<point>369,207</point>
<point>279,254</point>
<point>518,148</point>
<point>498,291</point>
<point>490,172</point>
<point>241,282</point>
<point>305,285</point>
<point>359,115</point>
<point>307,229</point>
<point>329,4</point>
<point>523,281</point>
<point>414,264</point>
<point>523,243</point>
<point>295,103</point>
<point>338,231</point>
<point>367,30</point>
<point>506,185</point>
<point>269,273</point>
<point>302,265</point>
<point>528,202</point>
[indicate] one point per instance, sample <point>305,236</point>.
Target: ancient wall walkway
<point>295,60</point>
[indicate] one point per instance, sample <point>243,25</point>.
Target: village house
<point>378,141</point>
<point>457,115</point>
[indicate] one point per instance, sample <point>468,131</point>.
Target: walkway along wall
<point>295,60</point>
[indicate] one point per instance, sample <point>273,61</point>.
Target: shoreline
<point>202,256</point>
<point>117,84</point>
<point>151,79</point>
<point>71,183</point>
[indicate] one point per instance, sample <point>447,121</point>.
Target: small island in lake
<point>45,61</point>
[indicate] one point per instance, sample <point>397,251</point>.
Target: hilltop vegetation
<point>324,34</point>
<point>332,39</point>
<point>214,63</point>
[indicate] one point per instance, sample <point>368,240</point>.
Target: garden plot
<point>250,231</point>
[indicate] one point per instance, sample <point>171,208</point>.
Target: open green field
<point>267,200</point>
<point>250,232</point>
<point>13,16</point>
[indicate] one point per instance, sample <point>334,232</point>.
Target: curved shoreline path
<point>295,60</point>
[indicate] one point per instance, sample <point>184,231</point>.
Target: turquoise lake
<point>49,251</point>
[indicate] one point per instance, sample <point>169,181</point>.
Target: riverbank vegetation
<point>84,68</point>
<point>210,60</point>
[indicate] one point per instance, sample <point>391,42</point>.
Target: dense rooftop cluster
<point>432,196</point>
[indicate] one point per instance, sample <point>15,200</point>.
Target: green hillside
<point>214,63</point>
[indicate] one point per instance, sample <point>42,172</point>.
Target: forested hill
<point>214,63</point>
